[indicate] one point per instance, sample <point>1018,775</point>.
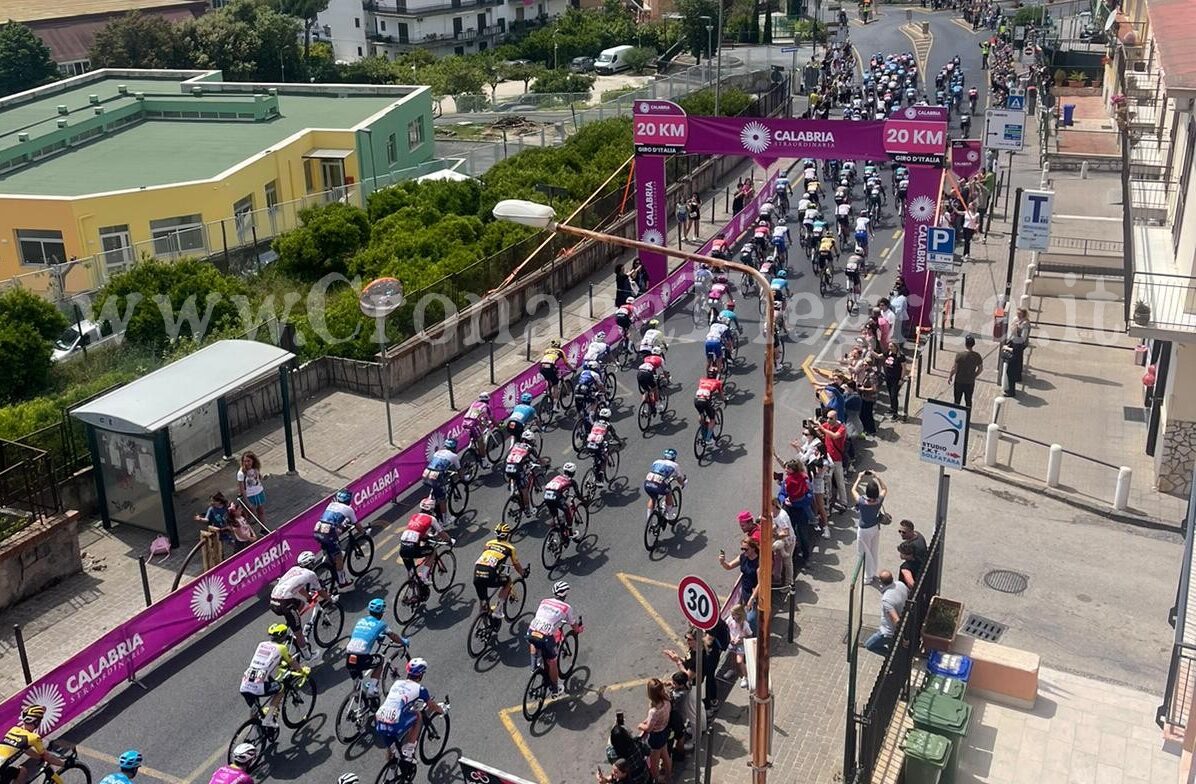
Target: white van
<point>76,336</point>
<point>613,60</point>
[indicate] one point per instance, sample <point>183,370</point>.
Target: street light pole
<point>718,66</point>
<point>544,217</point>
<point>369,134</point>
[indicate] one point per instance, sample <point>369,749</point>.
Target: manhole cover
<point>1006,581</point>
<point>1134,414</point>
<point>983,628</point>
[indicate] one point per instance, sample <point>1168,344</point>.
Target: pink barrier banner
<point>84,680</point>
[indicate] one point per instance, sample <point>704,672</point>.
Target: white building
<point>359,28</point>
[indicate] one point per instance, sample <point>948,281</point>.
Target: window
<point>359,52</point>
<point>41,247</point>
<point>116,247</point>
<point>178,236</point>
<point>415,134</point>
<point>382,25</point>
<point>403,33</point>
<point>392,150</point>
<point>272,195</point>
<point>243,218</point>
<point>357,21</point>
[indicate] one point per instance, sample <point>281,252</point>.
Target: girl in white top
<point>249,485</point>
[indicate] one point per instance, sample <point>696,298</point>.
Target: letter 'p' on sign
<point>941,240</point>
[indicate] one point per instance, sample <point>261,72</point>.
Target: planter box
<point>937,641</point>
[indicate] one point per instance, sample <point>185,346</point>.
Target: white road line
<point>1088,217</point>
<point>834,336</point>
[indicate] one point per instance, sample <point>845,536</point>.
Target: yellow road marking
<point>965,26</point>
<point>538,773</point>
<point>829,329</point>
<point>650,581</point>
<point>390,554</point>
<point>145,770</point>
<point>204,769</point>
<point>626,580</point>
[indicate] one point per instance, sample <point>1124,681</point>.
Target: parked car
<point>581,64</point>
<point>613,60</point>
<point>1093,35</point>
<point>86,333</point>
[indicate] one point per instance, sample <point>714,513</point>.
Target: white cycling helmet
<point>600,335</point>
<point>658,351</point>
<point>244,753</point>
<point>569,469</point>
<point>561,589</point>
<point>306,559</point>
<point>604,413</point>
<point>348,778</point>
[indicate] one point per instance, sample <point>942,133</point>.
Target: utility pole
<point>718,63</point>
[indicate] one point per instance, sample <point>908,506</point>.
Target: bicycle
<point>853,294</point>
<point>70,764</point>
<point>510,439</point>
<point>535,693</point>
<point>663,513</point>
<point>826,278</point>
<point>514,509</point>
<point>608,468</point>
<point>433,738</point>
<point>714,429</point>
<point>298,702</point>
<point>556,541</point>
<point>356,712</point>
<point>483,634</point>
<point>358,550</point>
<point>442,569</point>
<point>324,626</point>
<point>581,433</point>
<point>456,496</point>
<point>487,444</point>
<point>649,405</point>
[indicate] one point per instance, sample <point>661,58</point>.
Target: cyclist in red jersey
<point>707,396</point>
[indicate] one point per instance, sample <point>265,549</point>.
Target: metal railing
<point>1083,246</point>
<point>1170,298</point>
<point>1181,680</point>
<point>28,492</point>
<point>416,8</point>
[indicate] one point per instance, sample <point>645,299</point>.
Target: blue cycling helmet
<point>130,760</point>
<point>526,398</point>
<point>416,668</point>
<point>377,607</point>
<point>344,496</point>
<point>450,443</point>
<point>670,454</point>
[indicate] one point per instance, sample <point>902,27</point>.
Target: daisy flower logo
<point>755,137</point>
<point>49,697</point>
<point>921,209</point>
<point>574,353</point>
<point>510,397</point>
<point>644,108</point>
<point>652,237</point>
<point>973,156</point>
<point>666,293</point>
<point>208,597</point>
<point>911,113</point>
<point>435,442</point>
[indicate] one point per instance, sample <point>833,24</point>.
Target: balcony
<point>417,9</point>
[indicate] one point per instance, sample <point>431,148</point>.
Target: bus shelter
<point>143,435</point>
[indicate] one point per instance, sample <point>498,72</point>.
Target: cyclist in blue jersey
<point>727,316</point>
<point>783,191</point>
<point>780,286</point>
<point>780,241</point>
<point>335,520</point>
<point>361,652</point>
<point>521,416</point>
<point>715,348</point>
<point>129,762</point>
<point>586,393</point>
<point>442,466</point>
<point>663,475</point>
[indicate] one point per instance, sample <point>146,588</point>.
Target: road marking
<point>145,770</point>
<point>538,773</point>
<point>829,329</point>
<point>922,45</point>
<point>202,772</point>
<point>626,580</point>
<point>1088,217</point>
<point>832,338</point>
<point>392,552</point>
<point>965,26</point>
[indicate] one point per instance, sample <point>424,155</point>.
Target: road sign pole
<point>699,707</point>
<point>1017,216</point>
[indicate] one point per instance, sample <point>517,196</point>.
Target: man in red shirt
<point>834,435</point>
<point>747,524</point>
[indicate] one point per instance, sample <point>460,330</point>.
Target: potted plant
<point>1060,77</point>
<point>941,624</point>
<point>1076,77</point>
<point>1141,313</point>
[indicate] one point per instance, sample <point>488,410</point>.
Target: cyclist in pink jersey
<point>244,755</point>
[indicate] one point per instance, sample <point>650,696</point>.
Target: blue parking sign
<point>940,249</point>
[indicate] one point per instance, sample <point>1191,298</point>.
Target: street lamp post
<point>377,301</point>
<point>369,134</point>
<point>709,41</point>
<point>718,63</point>
<point>541,216</point>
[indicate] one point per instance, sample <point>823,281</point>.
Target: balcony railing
<point>425,9</point>
<point>1170,302</point>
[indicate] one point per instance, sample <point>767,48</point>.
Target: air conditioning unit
<point>1139,66</point>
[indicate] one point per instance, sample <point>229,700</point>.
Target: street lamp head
<point>381,297</point>
<point>529,213</point>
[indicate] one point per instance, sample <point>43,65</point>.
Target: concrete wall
<point>38,557</point>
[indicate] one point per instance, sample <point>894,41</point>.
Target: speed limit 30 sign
<point>698,602</point>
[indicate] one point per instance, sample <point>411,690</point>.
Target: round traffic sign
<point>698,602</point>
<point>1029,51</point>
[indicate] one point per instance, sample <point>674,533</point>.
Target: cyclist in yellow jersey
<point>23,741</point>
<point>548,368</point>
<point>492,570</point>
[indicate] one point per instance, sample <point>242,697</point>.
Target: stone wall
<point>1179,454</point>
<point>39,556</point>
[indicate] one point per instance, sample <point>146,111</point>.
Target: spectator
<point>628,750</point>
<point>639,276</point>
<point>693,210</point>
<point>688,664</point>
<point>971,225</point>
<point>783,541</point>
<point>748,563</point>
<point>853,404</point>
<point>623,290</point>
<point>739,632</point>
<point>869,507</point>
<point>894,364</point>
<point>1015,351</point>
<point>655,727</point>
<point>619,772</point>
<point>908,534</point>
<point>249,485</point>
<point>681,714</point>
<point>820,469</point>
<point>747,524</point>
<point>911,567</point>
<point>981,200</point>
<point>683,219</point>
<point>240,527</point>
<point>964,372</point>
<point>834,435</point>
<point>869,387</point>
<point>216,517</point>
<point>899,302</point>
<point>893,596</point>
<point>795,488</point>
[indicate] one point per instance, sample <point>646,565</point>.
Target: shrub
<point>330,234</point>
<point>24,361</point>
<point>18,306</point>
<point>563,81</point>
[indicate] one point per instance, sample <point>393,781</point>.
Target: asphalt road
<point>184,716</point>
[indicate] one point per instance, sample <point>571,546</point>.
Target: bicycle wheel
<point>481,636</point>
<point>778,353</point>
<point>664,398</point>
<point>644,417</point>
<point>433,737</point>
<point>718,423</point>
<point>327,628</point>
<point>581,520</point>
<point>534,694</point>
<point>653,527</point>
<point>444,570</point>
<point>553,547</point>
<point>351,717</point>
<point>589,485</point>
<point>512,608</point>
<point>580,432</point>
<point>535,493</point>
<point>252,732</point>
<point>612,385</point>
<point>458,498</point>
<point>566,394</point>
<point>326,577</point>
<point>360,555</point>
<point>512,513</point>
<point>672,513</point>
<point>470,466</point>
<point>298,702</point>
<point>699,443</point>
<point>612,463</point>
<point>407,603</point>
<point>391,773</point>
<point>822,285</point>
<point>567,655</point>
<point>74,773</point>
<point>494,447</point>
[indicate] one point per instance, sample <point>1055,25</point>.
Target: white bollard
<point>991,438</point>
<point>1031,271</point>
<point>998,408</point>
<point>1083,170</point>
<point>1023,301</point>
<point>1054,464</point>
<point>1121,493</point>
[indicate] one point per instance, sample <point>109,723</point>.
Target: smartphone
<point>619,718</point>
<point>722,553</point>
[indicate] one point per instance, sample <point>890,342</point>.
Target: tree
<point>639,58</point>
<point>330,234</point>
<point>137,40</point>
<point>24,362</point>
<point>693,26</point>
<point>307,10</point>
<point>369,70</point>
<point>18,306</point>
<point>562,81</point>
<point>247,41</point>
<point>492,72</point>
<point>24,60</point>
<point>522,72</point>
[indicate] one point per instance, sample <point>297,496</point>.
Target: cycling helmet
<point>554,343</point>
<point>669,454</point>
<point>604,413</point>
<point>653,324</point>
<point>417,667</point>
<point>526,398</point>
<point>377,607</point>
<point>348,778</point>
<point>593,364</point>
<point>561,589</point>
<point>427,505</point>
<point>33,714</point>
<point>658,351</point>
<point>485,398</point>
<point>782,273</point>
<point>503,532</point>
<point>730,304</point>
<point>306,559</point>
<point>569,469</point>
<point>278,632</point>
<point>130,760</point>
<point>344,496</point>
<point>600,335</point>
<point>629,301</point>
<point>244,753</point>
<point>450,443</point>
<point>711,372</point>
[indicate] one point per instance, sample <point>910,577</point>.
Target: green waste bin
<point>947,686</point>
<point>944,716</point>
<point>926,755</point>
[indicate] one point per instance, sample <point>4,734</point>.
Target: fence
<point>1086,471</point>
<point>27,489</point>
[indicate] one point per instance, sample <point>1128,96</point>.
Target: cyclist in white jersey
<point>551,615</point>
<point>298,586</point>
<point>596,351</point>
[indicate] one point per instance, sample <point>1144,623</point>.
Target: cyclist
<point>820,230</point>
<point>828,246</point>
<point>349,778</point>
<point>598,444</point>
<point>477,419</point>
<point>843,213</point>
<point>901,190</point>
<point>597,350</point>
<point>707,397</point>
<point>760,236</point>
<point>807,221</point>
<point>899,173</point>
<point>625,313</point>
<point>237,773</point>
<point>965,125</point>
<point>548,369</point>
<point>716,349</point>
<point>270,666</point>
<point>24,740</point>
<point>852,273</point>
<point>558,493</point>
<point>766,209</point>
<point>663,474</point>
<point>714,300</point>
<point>783,191</point>
<point>653,338</point>
<point>863,230</point>
<point>521,417</point>
<point>493,570</point>
<point>589,388</point>
<point>719,248</point>
<point>361,652</point>
<point>416,542</point>
<point>814,190</point>
<point>780,287</point>
<point>128,762</point>
<point>293,592</point>
<point>648,375</point>
<point>551,615</point>
<point>781,240</point>
<point>442,467</point>
<point>398,721</point>
<point>337,518</point>
<point>520,460</point>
